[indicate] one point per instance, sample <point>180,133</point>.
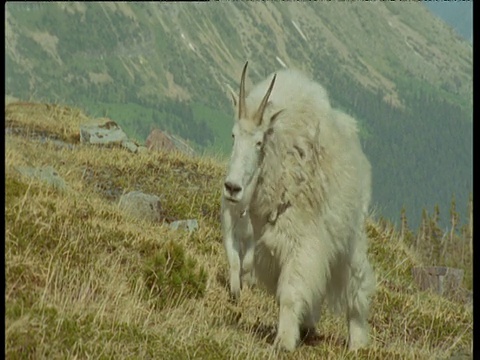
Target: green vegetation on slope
<point>85,280</point>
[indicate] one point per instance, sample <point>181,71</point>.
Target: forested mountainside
<point>403,73</point>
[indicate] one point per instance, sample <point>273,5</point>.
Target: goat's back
<point>314,157</point>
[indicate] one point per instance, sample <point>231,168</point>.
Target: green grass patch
<point>171,273</point>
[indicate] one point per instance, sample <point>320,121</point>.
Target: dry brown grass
<point>76,265</point>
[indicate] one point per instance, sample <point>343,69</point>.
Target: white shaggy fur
<point>312,185</point>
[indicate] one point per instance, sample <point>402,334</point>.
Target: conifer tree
<point>403,222</point>
<point>453,227</point>
<point>422,234</point>
<point>436,235</point>
<point>405,233</point>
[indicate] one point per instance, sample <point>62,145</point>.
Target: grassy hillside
<point>403,73</point>
<point>83,280</point>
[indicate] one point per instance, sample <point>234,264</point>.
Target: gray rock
<point>130,145</point>
<point>46,174</point>
<point>142,206</point>
<point>161,140</point>
<point>442,280</point>
<point>102,131</point>
<point>142,149</point>
<point>189,225</point>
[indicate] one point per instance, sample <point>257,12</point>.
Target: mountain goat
<point>298,168</point>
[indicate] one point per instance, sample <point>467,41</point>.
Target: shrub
<point>171,274</point>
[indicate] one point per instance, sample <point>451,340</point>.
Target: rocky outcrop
<point>142,206</point>
<point>104,131</point>
<point>159,140</point>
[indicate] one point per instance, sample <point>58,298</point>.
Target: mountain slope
<point>403,73</point>
<point>85,280</point>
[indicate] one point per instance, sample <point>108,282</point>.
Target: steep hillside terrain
<point>85,280</point>
<point>403,73</point>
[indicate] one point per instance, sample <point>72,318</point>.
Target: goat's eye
<point>233,136</point>
<point>259,144</point>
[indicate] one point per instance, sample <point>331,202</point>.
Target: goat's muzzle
<point>232,189</point>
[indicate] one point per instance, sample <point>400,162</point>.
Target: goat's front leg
<point>291,311</point>
<point>232,249</point>
<point>248,251</point>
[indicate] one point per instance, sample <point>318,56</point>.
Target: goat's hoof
<point>360,341</point>
<point>235,287</point>
<point>358,335</point>
<point>249,280</point>
<point>234,299</point>
<point>309,335</point>
<point>283,343</point>
<point>235,296</point>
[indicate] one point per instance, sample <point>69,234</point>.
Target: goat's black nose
<point>232,188</point>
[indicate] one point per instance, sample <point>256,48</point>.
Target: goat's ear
<point>274,118</point>
<point>272,121</point>
<point>232,95</point>
<point>269,132</point>
<point>234,98</point>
